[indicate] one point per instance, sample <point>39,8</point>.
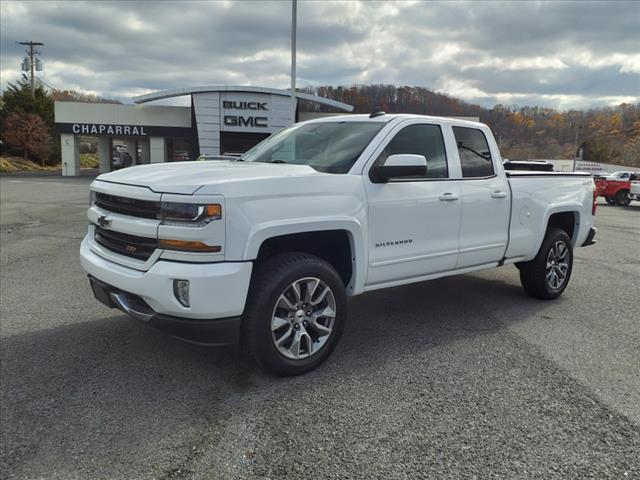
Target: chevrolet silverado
<point>265,249</point>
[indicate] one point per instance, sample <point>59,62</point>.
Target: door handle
<point>448,197</point>
<point>498,194</point>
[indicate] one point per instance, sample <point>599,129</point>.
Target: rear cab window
<point>474,153</point>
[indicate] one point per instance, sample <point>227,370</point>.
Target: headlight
<point>92,197</point>
<point>189,213</point>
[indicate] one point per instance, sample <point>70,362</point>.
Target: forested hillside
<point>609,135</point>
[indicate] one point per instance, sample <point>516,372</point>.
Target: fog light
<point>181,291</point>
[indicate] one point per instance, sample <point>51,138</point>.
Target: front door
<point>413,223</point>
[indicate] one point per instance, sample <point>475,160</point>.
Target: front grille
<point>125,244</point>
<point>128,206</point>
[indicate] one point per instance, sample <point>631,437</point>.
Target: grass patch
<point>9,164</point>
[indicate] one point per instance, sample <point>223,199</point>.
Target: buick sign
<point>245,105</point>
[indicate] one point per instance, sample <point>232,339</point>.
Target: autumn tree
<point>73,96</point>
<point>28,133</point>
<point>524,132</point>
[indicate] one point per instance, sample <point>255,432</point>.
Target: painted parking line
<point>49,183</point>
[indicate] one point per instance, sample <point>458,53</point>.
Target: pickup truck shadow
<point>112,377</point>
<point>421,315</point>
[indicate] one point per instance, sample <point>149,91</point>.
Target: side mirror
<point>399,166</point>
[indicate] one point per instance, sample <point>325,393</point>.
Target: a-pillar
<point>70,152</point>
<point>104,154</point>
<point>145,154</point>
<point>157,149</point>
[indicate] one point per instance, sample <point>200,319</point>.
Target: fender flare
<point>264,231</point>
<point>573,207</point>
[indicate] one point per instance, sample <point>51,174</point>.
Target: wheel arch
<point>565,217</point>
<point>317,238</point>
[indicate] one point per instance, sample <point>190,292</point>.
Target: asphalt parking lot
<point>464,377</point>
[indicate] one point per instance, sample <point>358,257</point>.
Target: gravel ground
<point>464,377</point>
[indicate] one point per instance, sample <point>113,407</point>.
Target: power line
<point>46,84</point>
<point>32,63</point>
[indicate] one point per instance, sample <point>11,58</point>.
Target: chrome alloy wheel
<point>303,318</point>
<point>557,265</point>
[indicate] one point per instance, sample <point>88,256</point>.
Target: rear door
<point>485,200</point>
<point>413,223</point>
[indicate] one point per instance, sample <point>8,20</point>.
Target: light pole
<point>294,14</point>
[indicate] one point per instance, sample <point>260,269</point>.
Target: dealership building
<point>222,120</point>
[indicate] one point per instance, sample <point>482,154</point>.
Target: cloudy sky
<point>559,54</point>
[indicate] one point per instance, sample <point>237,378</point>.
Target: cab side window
<point>420,139</point>
<point>473,149</point>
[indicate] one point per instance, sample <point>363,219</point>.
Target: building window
<point>178,150</point>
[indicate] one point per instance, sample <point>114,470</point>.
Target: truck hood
<point>188,177</point>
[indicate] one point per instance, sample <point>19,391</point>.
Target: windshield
<point>331,147</point>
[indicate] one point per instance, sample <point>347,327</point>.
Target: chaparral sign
<point>592,167</point>
<point>121,130</point>
<point>85,129</point>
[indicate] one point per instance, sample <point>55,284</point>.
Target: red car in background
<point>615,190</point>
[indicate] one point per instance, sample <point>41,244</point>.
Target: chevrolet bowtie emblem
<point>103,221</point>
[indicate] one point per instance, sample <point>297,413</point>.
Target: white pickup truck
<point>266,249</point>
<point>634,186</point>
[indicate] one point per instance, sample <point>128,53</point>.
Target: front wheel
<point>547,275</point>
<point>610,200</point>
<point>622,198</point>
<point>295,314</point>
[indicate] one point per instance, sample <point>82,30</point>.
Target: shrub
<point>29,134</point>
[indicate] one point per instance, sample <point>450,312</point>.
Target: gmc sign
<point>240,121</point>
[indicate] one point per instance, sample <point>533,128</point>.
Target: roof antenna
<point>377,112</point>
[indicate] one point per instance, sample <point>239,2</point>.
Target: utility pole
<point>294,15</point>
<point>33,62</point>
<point>578,153</point>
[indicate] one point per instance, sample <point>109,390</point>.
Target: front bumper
<point>217,290</point>
<point>223,331</point>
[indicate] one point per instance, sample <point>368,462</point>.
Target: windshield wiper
<point>277,161</point>
<point>481,155</point>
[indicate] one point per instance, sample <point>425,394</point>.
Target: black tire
<point>610,200</point>
<point>533,274</point>
<point>270,280</point>
<point>622,198</point>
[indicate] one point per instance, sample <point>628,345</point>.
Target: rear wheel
<point>622,198</point>
<point>547,275</point>
<point>610,200</point>
<point>295,314</point>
